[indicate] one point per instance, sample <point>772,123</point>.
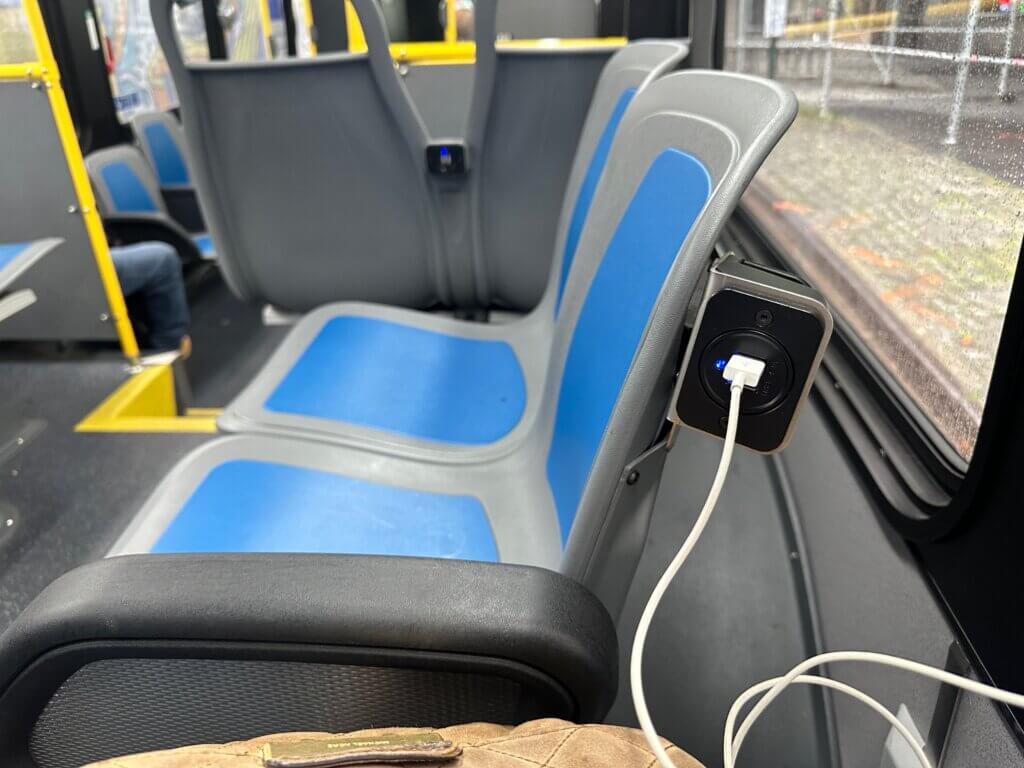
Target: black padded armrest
<point>129,228</point>
<point>541,630</point>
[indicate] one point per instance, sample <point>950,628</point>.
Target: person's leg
<point>154,270</point>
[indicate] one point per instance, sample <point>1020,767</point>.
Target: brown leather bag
<point>538,744</point>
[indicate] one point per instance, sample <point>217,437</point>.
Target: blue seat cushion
<point>259,506</point>
<point>9,250</point>
<point>405,380</point>
<point>205,244</point>
<point>170,165</point>
<point>127,192</point>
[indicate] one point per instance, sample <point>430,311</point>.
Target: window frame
<point>925,489</point>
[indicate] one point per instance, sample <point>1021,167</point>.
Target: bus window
<point>139,77</point>
<point>899,188</point>
<point>15,38</point>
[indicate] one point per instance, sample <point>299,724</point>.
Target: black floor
<point>66,496</point>
<point>230,342</point>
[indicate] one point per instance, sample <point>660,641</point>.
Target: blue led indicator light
<point>720,364</point>
<point>444,151</point>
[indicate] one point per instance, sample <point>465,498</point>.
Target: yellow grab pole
<point>451,27</point>
<point>311,25</point>
<point>49,75</point>
<point>268,29</point>
<point>356,39</point>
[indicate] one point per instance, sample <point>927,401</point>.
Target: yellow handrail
<point>310,25</point>
<point>436,52</point>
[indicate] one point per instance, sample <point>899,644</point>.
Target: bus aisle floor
<point>65,495</point>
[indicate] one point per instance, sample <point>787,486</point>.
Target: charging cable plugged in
<point>744,371</point>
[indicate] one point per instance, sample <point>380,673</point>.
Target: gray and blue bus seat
<point>447,355</point>
<point>132,208</point>
<point>550,465</point>
<point>133,654</point>
<point>160,137</point>
<point>15,260</point>
<point>312,174</point>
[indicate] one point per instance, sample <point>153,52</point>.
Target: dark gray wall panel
<point>733,616</point>
<point>35,194</point>
<point>872,596</point>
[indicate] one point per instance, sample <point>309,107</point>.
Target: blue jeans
<point>154,271</point>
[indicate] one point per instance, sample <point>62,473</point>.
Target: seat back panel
<point>320,199</point>
<point>615,315</point>
<point>311,174</point>
<point>536,116</point>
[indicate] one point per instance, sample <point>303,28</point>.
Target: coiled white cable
<point>824,682</point>
<point>732,745</point>
<point>747,372</point>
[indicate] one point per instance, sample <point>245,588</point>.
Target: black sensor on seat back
<point>447,158</point>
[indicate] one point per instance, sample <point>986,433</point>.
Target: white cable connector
<point>743,371</point>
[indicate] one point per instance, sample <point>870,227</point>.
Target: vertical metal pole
<point>1004,76</point>
<point>890,43</point>
<point>826,70</point>
<point>741,34</point>
<point>215,40</point>
<point>451,23</point>
<point>773,58</point>
<point>963,70</point>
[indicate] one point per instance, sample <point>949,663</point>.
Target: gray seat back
<point>687,147</point>
<point>124,182</point>
<point>311,173</point>
<point>626,73</point>
<point>162,140</point>
<point>537,118</point>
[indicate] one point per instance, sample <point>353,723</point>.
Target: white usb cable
<point>741,372</point>
<point>745,372</point>
<point>732,746</point>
